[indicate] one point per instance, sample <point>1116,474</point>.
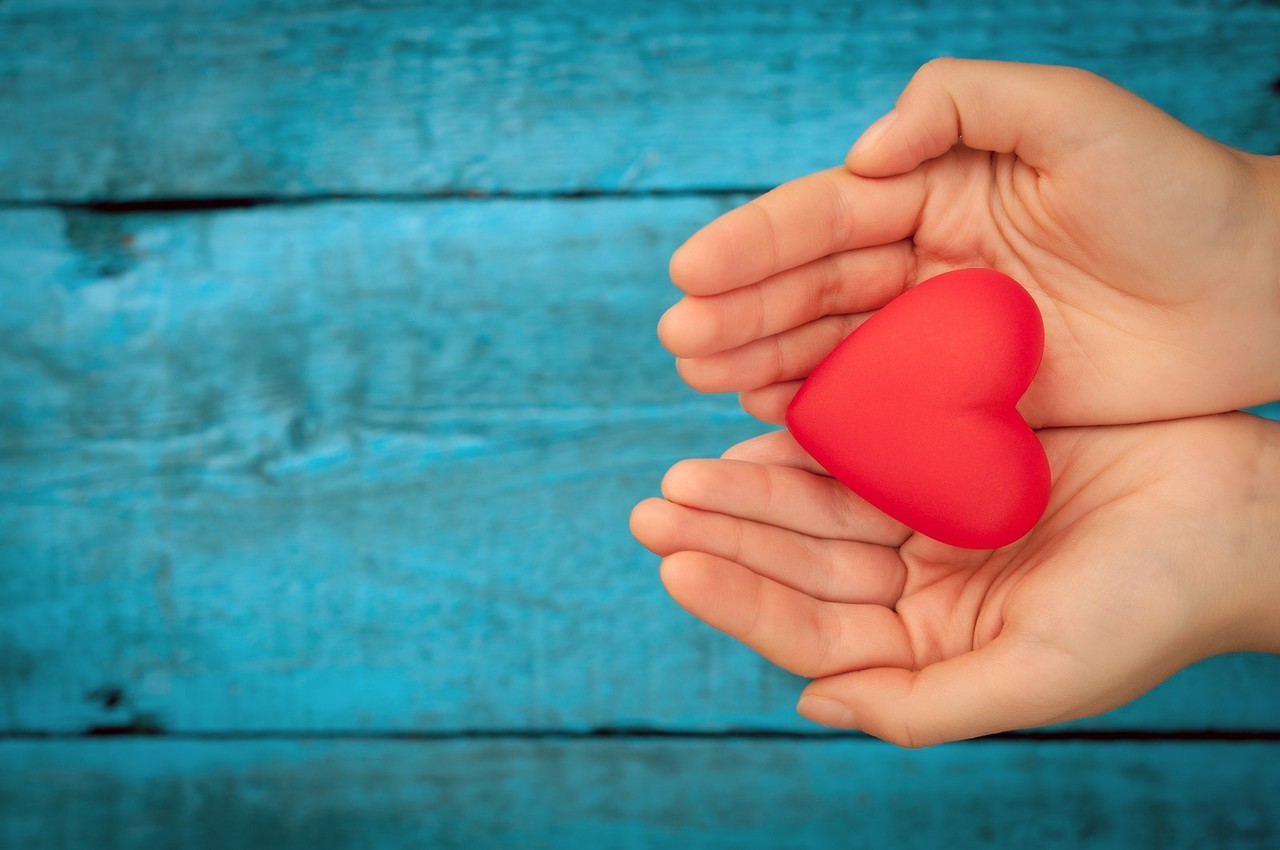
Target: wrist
<point>1259,618</point>
<point>1264,174</point>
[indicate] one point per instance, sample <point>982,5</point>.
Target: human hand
<point>1152,251</point>
<point>1158,549</point>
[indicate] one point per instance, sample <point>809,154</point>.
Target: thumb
<point>1010,683</point>
<point>1039,112</point>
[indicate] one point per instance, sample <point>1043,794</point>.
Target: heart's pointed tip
<point>986,542</point>
<point>1008,523</point>
<point>993,506</point>
<point>1009,531</point>
<point>995,538</point>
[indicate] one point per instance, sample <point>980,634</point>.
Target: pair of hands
<point>1154,256</point>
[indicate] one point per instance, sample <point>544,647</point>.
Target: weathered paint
<point>766,794</point>
<point>143,99</point>
<point>314,467</point>
<point>325,467</point>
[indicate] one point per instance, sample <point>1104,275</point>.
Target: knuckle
<point>901,733</point>
<point>824,568</point>
<point>830,277</point>
<point>781,363</point>
<point>827,629</point>
<point>767,490</point>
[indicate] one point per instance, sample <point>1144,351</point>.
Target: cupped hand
<point>1157,549</point>
<point>1152,251</point>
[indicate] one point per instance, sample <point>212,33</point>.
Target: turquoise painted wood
<point>772,795</point>
<point>280,484</point>
<point>138,99</point>
<point>367,466</point>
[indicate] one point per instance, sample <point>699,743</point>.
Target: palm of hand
<point>1150,251</point>
<point>1105,598</point>
<point>1157,295</point>
<point>1126,270</point>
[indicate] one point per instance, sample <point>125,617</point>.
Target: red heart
<point>915,410</point>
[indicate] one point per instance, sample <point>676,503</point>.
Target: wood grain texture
<point>636,794</point>
<point>368,466</point>
<point>328,467</point>
<point>357,465</point>
<point>198,98</point>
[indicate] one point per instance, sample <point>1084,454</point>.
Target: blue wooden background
<point>328,378</point>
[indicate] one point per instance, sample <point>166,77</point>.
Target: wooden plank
<point>146,99</point>
<point>350,445</point>
<point>649,793</point>
<point>367,466</point>
<point>381,314</point>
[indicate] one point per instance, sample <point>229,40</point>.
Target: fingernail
<point>828,712</point>
<point>874,133</point>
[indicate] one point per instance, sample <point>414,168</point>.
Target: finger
<point>781,496</point>
<point>801,634</point>
<point>824,213</point>
<point>783,357</point>
<point>1010,683</point>
<point>769,404</point>
<point>847,282</point>
<point>775,448</point>
<point>828,570</point>
<point>1040,112</point>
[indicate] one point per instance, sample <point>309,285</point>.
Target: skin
<point>1154,256</point>
<point>1152,251</point>
<point>1158,548</point>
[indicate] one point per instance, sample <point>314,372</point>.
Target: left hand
<point>1151,251</point>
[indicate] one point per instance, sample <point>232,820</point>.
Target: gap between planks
<point>217,204</point>
<point>634,734</point>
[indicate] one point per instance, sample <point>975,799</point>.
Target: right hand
<point>1158,549</point>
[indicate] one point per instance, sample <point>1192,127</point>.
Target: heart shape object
<point>915,410</point>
